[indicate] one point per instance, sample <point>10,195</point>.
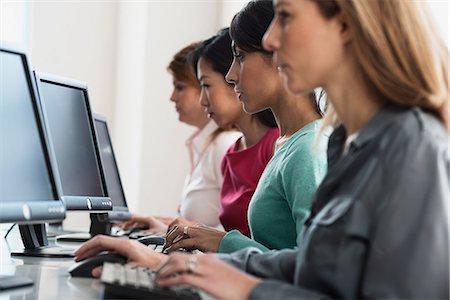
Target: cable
<point>9,230</point>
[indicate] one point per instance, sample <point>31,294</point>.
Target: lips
<point>238,94</point>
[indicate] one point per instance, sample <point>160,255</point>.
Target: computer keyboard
<point>123,281</point>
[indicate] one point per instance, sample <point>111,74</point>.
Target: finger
<point>89,248</point>
<point>185,278</point>
<point>186,243</point>
<point>103,243</point>
<point>170,237</point>
<point>130,224</point>
<point>97,272</point>
<point>176,263</point>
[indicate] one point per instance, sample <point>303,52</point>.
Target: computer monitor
<point>114,186</point>
<point>28,191</point>
<point>72,141</point>
<point>27,187</point>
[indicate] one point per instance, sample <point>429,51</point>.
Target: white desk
<point>50,276</point>
<point>51,281</point>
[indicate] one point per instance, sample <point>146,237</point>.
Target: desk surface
<point>50,276</point>
<point>51,281</point>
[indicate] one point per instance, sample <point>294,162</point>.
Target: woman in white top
<point>200,198</point>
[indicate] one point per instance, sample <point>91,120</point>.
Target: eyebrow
<point>280,3</point>
<point>202,77</point>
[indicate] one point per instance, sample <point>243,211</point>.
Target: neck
<point>293,112</point>
<point>252,130</point>
<point>352,99</point>
<point>202,123</point>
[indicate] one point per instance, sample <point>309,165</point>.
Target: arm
<point>201,271</point>
<point>410,244</point>
<point>235,241</point>
<point>300,180</point>
<point>202,201</point>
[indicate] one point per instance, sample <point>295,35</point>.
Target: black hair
<point>217,51</point>
<point>247,30</point>
<point>250,24</point>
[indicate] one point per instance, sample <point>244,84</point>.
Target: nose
<point>173,96</point>
<point>232,76</point>
<point>204,99</point>
<point>271,39</point>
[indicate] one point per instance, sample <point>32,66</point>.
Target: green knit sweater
<point>282,199</point>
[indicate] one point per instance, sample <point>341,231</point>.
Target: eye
<point>179,87</point>
<point>283,16</point>
<point>204,85</point>
<point>239,56</point>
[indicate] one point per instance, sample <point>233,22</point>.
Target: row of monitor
<point>54,155</point>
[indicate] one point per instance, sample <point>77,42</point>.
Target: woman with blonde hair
<point>379,226</point>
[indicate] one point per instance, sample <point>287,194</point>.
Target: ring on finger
<point>191,263</point>
<point>186,230</point>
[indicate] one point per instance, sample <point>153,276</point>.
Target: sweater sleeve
<point>304,167</point>
<point>234,241</point>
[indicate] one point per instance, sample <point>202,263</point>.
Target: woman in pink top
<point>241,172</point>
<point>245,161</point>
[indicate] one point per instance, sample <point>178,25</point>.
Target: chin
<point>293,86</point>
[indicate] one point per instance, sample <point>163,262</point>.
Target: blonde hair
<point>399,52</point>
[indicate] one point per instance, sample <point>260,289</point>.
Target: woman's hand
<point>154,224</point>
<point>207,273</point>
<point>199,237</point>
<point>180,221</point>
<point>137,253</point>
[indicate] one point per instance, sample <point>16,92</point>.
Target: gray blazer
<point>379,226</point>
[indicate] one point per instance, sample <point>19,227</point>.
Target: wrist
<point>247,286</point>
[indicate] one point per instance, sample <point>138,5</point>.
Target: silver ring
<point>191,263</point>
<point>185,230</point>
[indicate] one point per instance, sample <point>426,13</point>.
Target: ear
<point>344,29</point>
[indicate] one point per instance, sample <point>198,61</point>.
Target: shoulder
<point>413,131</point>
<point>226,138</point>
<point>223,141</point>
<point>304,142</point>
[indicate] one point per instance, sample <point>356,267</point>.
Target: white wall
<point>77,40</point>
<point>229,9</point>
<point>150,140</point>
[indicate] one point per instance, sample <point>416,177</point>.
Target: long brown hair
<point>398,50</point>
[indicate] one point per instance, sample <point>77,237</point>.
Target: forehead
<point>278,3</point>
<point>204,67</point>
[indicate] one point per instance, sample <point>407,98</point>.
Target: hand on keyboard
<point>135,252</point>
<point>127,281</point>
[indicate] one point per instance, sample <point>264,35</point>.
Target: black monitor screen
<point>24,175</point>
<point>67,117</point>
<point>113,183</point>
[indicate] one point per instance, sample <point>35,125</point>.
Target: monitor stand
<point>35,240</point>
<point>7,270</point>
<point>100,224</point>
<point>35,243</point>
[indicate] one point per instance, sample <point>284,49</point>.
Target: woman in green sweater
<point>283,196</point>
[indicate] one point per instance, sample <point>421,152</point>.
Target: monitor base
<point>74,237</point>
<point>59,252</point>
<point>12,282</point>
